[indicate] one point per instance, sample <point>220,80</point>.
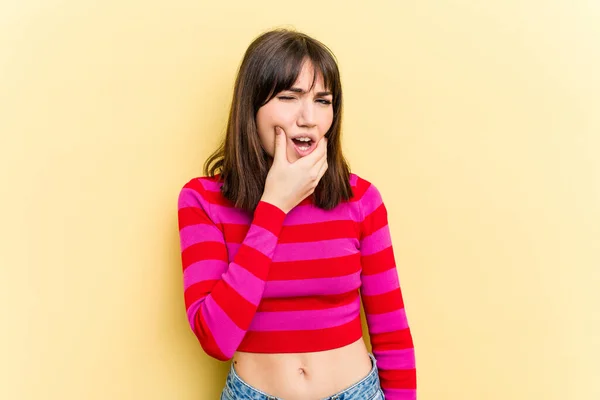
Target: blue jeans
<point>367,388</point>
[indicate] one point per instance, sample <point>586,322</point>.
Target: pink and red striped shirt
<point>276,283</point>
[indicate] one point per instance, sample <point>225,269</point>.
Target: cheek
<point>264,126</point>
<point>326,122</point>
<point>268,116</point>
<point>267,141</point>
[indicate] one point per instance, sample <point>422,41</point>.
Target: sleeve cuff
<point>269,216</point>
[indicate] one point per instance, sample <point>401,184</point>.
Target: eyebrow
<point>299,90</point>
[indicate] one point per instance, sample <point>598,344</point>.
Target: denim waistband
<point>366,388</point>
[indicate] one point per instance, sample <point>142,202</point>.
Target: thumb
<point>280,147</point>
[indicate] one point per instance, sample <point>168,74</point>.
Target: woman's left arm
<point>390,335</point>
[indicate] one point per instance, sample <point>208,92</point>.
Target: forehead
<point>306,76</point>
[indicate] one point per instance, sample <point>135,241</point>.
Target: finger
<point>320,167</point>
<point>280,147</point>
<point>323,169</point>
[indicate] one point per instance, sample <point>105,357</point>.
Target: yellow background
<point>478,121</point>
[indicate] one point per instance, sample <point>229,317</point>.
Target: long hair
<point>271,64</point>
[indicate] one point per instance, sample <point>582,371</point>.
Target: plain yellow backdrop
<point>478,121</point>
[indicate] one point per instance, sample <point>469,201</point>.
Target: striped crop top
<point>271,282</point>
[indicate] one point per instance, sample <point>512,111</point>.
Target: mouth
<point>304,147</point>
<point>304,143</point>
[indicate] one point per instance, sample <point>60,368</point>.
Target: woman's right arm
<point>221,298</point>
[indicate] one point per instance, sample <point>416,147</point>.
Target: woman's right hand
<point>288,183</point>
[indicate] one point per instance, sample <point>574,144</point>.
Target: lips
<point>300,146</point>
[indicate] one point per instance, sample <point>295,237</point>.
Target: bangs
<point>282,70</point>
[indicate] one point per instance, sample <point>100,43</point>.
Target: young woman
<point>280,242</point>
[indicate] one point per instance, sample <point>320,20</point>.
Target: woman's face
<point>300,113</point>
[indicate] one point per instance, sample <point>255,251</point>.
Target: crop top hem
<point>302,341</point>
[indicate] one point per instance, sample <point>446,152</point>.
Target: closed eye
<point>322,101</point>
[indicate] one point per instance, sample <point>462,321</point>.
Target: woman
<point>280,241</point>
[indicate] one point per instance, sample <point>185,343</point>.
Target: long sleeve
<point>390,335</point>
<point>221,298</point>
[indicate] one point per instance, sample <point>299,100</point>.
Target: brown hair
<point>271,64</point>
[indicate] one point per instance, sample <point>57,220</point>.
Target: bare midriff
<point>302,376</point>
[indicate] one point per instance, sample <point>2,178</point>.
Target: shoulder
<point>366,194</point>
<point>200,190</point>
<point>204,183</point>
<point>363,189</point>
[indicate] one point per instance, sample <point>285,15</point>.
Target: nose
<point>306,115</point>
